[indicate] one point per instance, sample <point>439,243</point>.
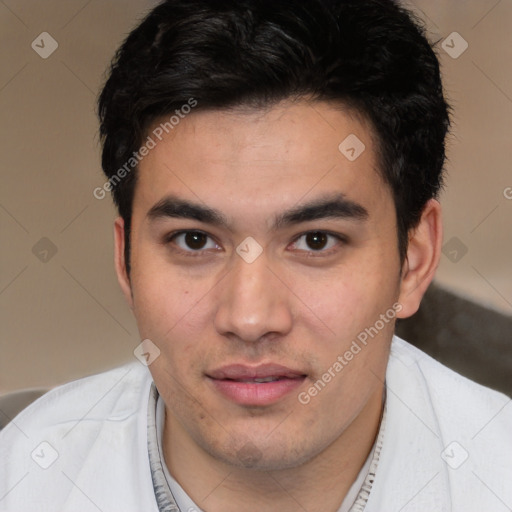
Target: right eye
<point>192,242</point>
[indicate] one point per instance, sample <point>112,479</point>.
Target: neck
<point>319,485</point>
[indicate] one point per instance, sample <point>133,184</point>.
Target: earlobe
<point>423,254</point>
<point>119,261</point>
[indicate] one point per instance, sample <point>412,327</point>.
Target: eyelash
<point>194,254</point>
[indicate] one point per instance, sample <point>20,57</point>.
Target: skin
<point>293,305</point>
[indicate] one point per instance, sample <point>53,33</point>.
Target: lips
<point>257,386</point>
<point>260,380</point>
<point>264,371</point>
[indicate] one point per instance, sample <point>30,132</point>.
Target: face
<point>259,254</point>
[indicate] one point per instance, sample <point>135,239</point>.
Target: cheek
<point>345,300</point>
<point>165,298</point>
<point>174,319</point>
<point>170,315</point>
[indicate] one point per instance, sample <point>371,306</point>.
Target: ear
<point>119,261</point>
<point>423,254</point>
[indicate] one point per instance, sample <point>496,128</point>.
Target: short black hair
<point>369,55</point>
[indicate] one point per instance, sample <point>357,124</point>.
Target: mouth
<point>259,380</point>
<point>255,386</point>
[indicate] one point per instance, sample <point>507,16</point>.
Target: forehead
<point>254,158</point>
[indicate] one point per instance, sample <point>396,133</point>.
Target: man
<point>276,167</point>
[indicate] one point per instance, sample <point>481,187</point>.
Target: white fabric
<point>98,426</point>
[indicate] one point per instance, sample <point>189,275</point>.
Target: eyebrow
<point>328,207</point>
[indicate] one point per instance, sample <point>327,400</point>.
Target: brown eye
<point>195,240</point>
<point>317,241</point>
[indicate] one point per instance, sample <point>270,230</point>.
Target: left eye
<point>316,241</point>
<point>193,241</point>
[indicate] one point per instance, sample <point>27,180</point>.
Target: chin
<point>264,456</point>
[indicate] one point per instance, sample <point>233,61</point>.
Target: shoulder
<point>96,397</point>
<point>471,422</point>
<point>446,430</point>
<point>72,432</point>
<point>447,389</point>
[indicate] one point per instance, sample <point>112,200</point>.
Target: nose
<point>254,302</point>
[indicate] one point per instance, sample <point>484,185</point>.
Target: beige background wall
<point>62,315</point>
